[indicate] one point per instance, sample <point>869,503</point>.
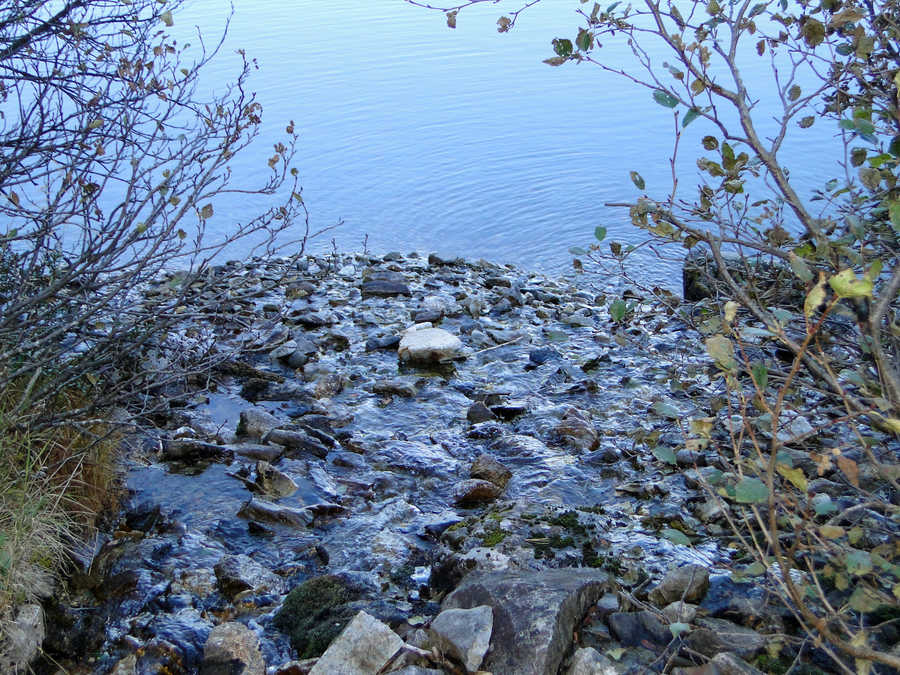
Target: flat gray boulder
<point>535,614</point>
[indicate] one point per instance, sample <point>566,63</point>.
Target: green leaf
<point>617,310</point>
<point>894,213</point>
<point>846,285</point>
<point>822,504</point>
<point>676,536</point>
<point>600,233</point>
<point>806,122</point>
<point>637,179</point>
<point>858,562</point>
<point>813,32</point>
<point>584,40</point>
<point>864,599</point>
<point>760,375</point>
<point>664,454</point>
<point>710,142</point>
<point>206,212</point>
<point>690,116</point>
<point>721,349</point>
<point>562,47</point>
<point>577,250</point>
<point>800,268</point>
<point>664,98</point>
<point>794,93</point>
<point>751,490</point>
<point>678,628</point>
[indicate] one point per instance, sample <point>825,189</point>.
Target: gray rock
<point>384,288</point>
<point>273,482</point>
<point>535,614</point>
<point>680,612</point>
<point>296,440</point>
<point>363,648</point>
<point>255,423</point>
<point>478,412</point>
<point>23,640</point>
<point>396,387</point>
<point>424,345</point>
<point>389,342</point>
<point>266,512</point>
<point>688,583</point>
<point>588,661</point>
<point>577,431</point>
<point>266,452</point>
<point>634,629</point>
<point>474,491</point>
<point>234,649</point>
<point>464,634</point>
<point>190,450</point>
<point>487,468</point>
<point>720,635</point>
<point>239,573</point>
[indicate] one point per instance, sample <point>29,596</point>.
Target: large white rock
<point>423,344</point>
<point>363,648</point>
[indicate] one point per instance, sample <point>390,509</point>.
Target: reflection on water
<point>460,142</point>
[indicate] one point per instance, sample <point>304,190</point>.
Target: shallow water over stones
<point>377,449</point>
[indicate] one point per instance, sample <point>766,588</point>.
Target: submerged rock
<point>239,573</point>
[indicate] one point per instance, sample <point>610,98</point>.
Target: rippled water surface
<point>461,142</point>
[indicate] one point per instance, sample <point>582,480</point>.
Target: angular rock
<point>478,412</point>
<point>535,614</point>
<point>191,450</point>
<point>389,342</point>
<point>487,468</point>
<point>273,482</point>
<point>296,440</point>
<point>475,491</point>
<point>234,649</point>
<point>634,629</point>
<point>363,648</point>
<point>255,423</point>
<point>424,345</point>
<point>464,634</point>
<point>688,583</point>
<point>680,612</point>
<point>384,288</point>
<point>266,512</point>
<point>239,573</point>
<point>396,387</point>
<point>541,355</point>
<point>577,431</point>
<point>588,661</point>
<point>268,453</point>
<point>720,635</point>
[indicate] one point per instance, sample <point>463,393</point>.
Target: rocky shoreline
<point>469,466</point>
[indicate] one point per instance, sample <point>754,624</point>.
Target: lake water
<point>460,142</point>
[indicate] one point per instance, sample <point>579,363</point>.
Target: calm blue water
<point>460,142</point>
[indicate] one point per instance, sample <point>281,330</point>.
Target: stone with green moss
<point>315,612</point>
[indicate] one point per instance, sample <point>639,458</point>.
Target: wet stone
<point>266,512</point>
<point>487,468</point>
<point>234,649</point>
<point>475,491</point>
<point>389,342</point>
<point>478,412</point>
<point>384,288</point>
<point>239,573</point>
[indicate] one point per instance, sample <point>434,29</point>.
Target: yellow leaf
<point>816,297</point>
<point>166,18</point>
<point>795,476</point>
<point>721,349</point>
<point>846,285</point>
<point>831,531</point>
<point>731,308</point>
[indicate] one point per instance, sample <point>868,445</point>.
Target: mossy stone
<point>315,612</point>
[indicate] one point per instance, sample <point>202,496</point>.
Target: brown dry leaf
<point>850,469</point>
